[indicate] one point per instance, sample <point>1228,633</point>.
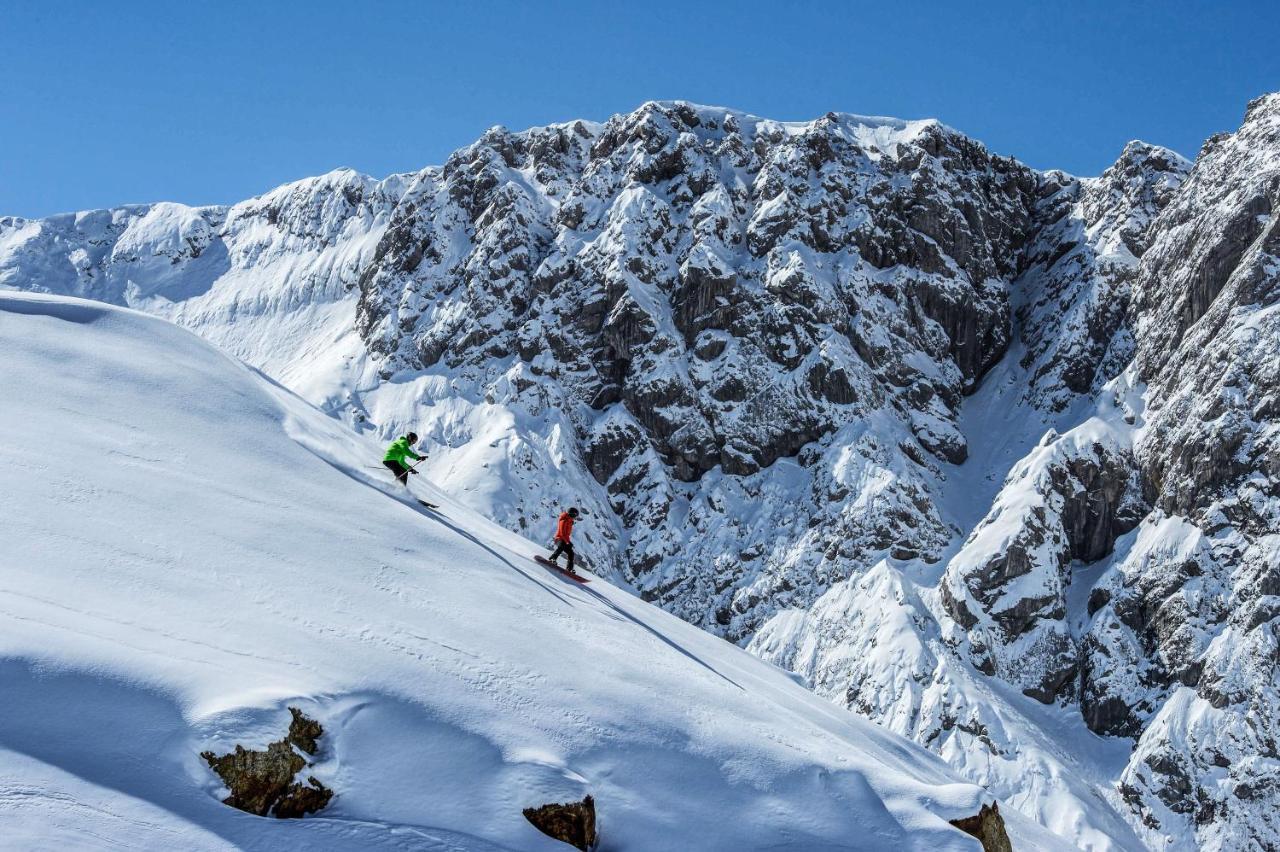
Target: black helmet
<point>573,512</point>
<point>413,437</point>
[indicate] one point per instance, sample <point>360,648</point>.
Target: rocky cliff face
<point>1072,301</point>
<point>701,295</point>
<point>1203,606</point>
<point>1176,643</point>
<point>984,453</point>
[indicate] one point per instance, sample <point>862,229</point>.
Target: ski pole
<point>411,470</point>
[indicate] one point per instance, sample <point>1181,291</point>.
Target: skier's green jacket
<point>398,450</point>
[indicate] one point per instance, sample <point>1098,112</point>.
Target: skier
<point>564,532</point>
<point>397,453</point>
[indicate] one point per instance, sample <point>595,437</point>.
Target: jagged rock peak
<point>692,116</point>
<point>1263,105</point>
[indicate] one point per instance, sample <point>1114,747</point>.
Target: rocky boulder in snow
<point>262,782</point>
<point>573,822</point>
<point>988,826</point>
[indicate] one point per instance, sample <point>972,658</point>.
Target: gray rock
<point>988,826</point>
<point>262,782</point>
<point>573,823</point>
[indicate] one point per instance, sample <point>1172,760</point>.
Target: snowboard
<point>547,563</point>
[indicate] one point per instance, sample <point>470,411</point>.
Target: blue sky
<point>203,102</point>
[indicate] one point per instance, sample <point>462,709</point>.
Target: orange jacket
<point>564,529</point>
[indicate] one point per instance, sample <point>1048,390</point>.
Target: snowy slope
<point>187,548</point>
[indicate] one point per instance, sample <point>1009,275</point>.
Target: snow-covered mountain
<point>984,453</point>
<point>207,548</point>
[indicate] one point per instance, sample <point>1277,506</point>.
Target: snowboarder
<point>397,453</point>
<point>564,532</point>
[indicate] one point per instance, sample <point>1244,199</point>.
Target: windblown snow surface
<point>187,549</point>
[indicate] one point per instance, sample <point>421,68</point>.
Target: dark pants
<point>401,472</point>
<point>563,547</point>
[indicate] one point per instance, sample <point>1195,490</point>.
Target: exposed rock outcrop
<point>1066,501</point>
<point>988,826</point>
<point>573,822</point>
<point>262,782</point>
<point>1073,298</point>
<point>304,732</point>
